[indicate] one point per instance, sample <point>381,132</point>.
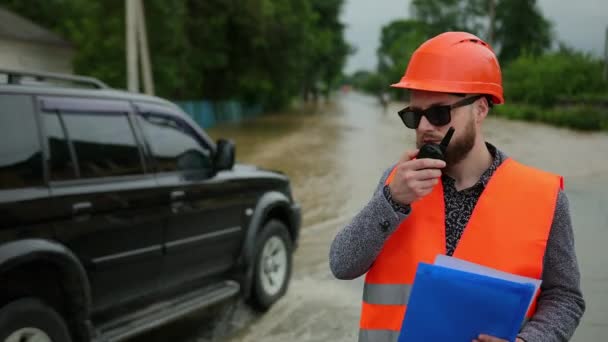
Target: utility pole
<point>143,49</point>
<point>131,33</point>
<point>137,48</point>
<point>606,56</point>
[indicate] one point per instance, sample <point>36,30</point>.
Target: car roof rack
<point>21,77</point>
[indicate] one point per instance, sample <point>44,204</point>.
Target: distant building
<point>27,46</point>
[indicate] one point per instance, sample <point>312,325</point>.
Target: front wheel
<point>273,264</point>
<point>30,320</point>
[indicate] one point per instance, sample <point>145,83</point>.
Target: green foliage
<point>521,27</point>
<point>443,15</point>
<point>598,99</point>
<point>542,80</point>
<point>90,26</point>
<point>374,84</point>
<point>563,88</point>
<point>358,78</point>
<point>369,82</point>
<point>398,41</point>
<point>400,38</point>
<point>579,117</point>
<point>326,50</point>
<point>257,51</point>
<point>511,37</point>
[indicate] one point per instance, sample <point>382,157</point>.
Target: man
<point>478,205</point>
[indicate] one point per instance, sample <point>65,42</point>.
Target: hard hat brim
<point>494,90</point>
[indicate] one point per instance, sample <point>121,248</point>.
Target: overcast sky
<point>580,23</point>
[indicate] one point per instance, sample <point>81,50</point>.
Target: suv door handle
<point>177,201</point>
<point>177,195</point>
<point>81,208</point>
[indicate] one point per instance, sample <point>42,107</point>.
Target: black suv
<point>119,214</point>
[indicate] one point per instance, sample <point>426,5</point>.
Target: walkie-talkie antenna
<point>446,140</point>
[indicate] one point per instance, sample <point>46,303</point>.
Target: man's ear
<point>482,109</point>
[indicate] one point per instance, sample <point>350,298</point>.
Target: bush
<point>542,80</point>
<point>581,117</point>
<point>600,100</point>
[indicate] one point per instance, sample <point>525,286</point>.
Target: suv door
<point>204,233</point>
<point>23,193</point>
<point>106,204</point>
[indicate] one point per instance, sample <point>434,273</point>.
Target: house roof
<point>19,28</point>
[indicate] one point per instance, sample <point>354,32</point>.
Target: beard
<point>459,147</point>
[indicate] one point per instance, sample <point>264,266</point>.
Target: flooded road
<point>334,156</point>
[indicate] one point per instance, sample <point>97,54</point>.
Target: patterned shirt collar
<point>497,158</point>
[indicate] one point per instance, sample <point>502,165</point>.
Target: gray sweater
<point>560,305</point>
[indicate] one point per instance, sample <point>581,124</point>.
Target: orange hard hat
<point>454,62</point>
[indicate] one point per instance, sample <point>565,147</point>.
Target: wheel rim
<point>28,335</point>
<point>273,265</point>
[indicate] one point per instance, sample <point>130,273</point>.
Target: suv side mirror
<point>224,156</point>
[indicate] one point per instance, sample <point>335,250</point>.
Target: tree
<point>512,26</point>
<point>521,27</point>
<point>326,48</point>
<point>398,41</point>
<point>446,15</point>
<point>258,51</point>
<point>95,28</point>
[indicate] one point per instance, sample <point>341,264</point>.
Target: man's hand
<point>415,179</point>
<point>486,338</point>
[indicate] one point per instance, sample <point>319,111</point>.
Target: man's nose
<point>425,125</point>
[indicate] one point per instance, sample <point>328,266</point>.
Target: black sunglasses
<point>437,115</point>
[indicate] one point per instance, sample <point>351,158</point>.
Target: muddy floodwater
<point>334,155</point>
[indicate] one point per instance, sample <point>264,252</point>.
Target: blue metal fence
<point>208,114</point>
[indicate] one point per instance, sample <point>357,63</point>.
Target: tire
<point>25,319</point>
<point>273,265</point>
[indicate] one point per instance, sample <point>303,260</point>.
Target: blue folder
<point>452,305</point>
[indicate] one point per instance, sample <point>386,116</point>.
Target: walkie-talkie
<point>435,151</point>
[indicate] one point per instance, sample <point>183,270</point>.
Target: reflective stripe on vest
<point>378,336</point>
<point>386,294</point>
<point>508,230</point>
<point>383,296</point>
<point>374,335</point>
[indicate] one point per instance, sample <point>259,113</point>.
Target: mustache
<point>431,137</point>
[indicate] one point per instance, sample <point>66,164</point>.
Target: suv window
<point>104,144</point>
<point>20,151</point>
<point>174,145</point>
<point>60,161</point>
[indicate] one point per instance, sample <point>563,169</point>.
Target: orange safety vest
<point>508,230</point>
